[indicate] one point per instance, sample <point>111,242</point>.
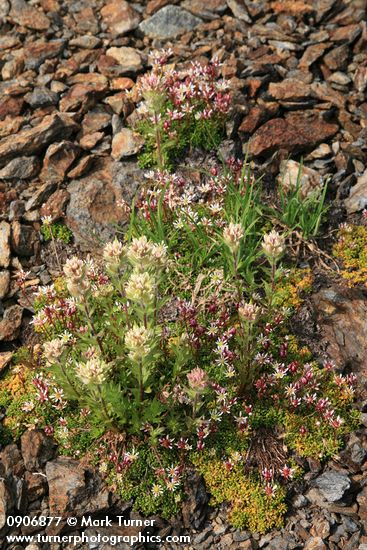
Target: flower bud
<point>198,379</point>
<point>232,236</point>
<point>53,350</point>
<point>249,312</point>
<point>94,371</point>
<point>140,288</point>
<point>138,342</point>
<point>273,245</point>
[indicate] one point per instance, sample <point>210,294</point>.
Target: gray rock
<point>169,22</point>
<point>4,244</point>
<point>41,97</point>
<point>20,168</point>
<point>357,199</point>
<point>332,485</point>
<point>86,41</point>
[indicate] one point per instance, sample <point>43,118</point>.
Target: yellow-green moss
<point>351,249</point>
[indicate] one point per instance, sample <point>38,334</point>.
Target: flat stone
<point>128,59</point>
<point>292,172</point>
<point>10,323</point>
<point>119,17</point>
<point>5,356</point>
<point>239,10</point>
<point>23,239</point>
<point>83,95</point>
<point>360,79</point>
<point>26,15</point>
<point>169,22</point>
<point>58,159</point>
<point>10,106</point>
<point>346,33</point>
<point>40,195</point>
<point>315,543</point>
<point>332,485</point>
<point>96,201</point>
<point>20,168</point>
<point>82,167</point>
<point>207,10</point>
<point>4,284</point>
<point>126,143</point>
<point>10,125</point>
<point>294,134</point>
<point>74,491</point>
<point>311,54</point>
<point>4,244</point>
<point>41,97</point>
<point>86,41</point>
<point>35,53</point>
<point>337,58</point>
<point>37,449</point>
<point>35,139</point>
<point>357,199</point>
<point>6,502</point>
<point>56,204</point>
<point>289,89</point>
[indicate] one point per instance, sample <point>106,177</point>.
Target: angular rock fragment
<point>24,14</point>
<point>4,244</point>
<point>32,140</point>
<point>58,159</point>
<point>332,485</point>
<point>293,173</point>
<point>120,17</point>
<point>10,323</point>
<point>126,143</point>
<point>293,134</point>
<point>128,59</point>
<point>20,168</point>
<point>169,22</point>
<point>4,284</point>
<point>357,199</point>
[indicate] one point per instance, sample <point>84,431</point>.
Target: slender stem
<point>55,249</point>
<point>141,385</point>
<point>158,140</point>
<point>92,327</point>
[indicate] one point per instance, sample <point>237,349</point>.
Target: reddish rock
<point>35,53</point>
<point>289,89</point>
<point>312,54</point>
<point>11,459</point>
<point>90,140</point>
<point>26,15</point>
<point>252,120</point>
<point>4,244</point>
<point>10,125</point>
<point>294,134</point>
<point>119,17</point>
<point>94,121</point>
<point>10,106</point>
<point>82,96</point>
<point>6,502</point>
<point>10,323</point>
<point>83,166</point>
<point>74,491</point>
<point>23,239</point>
<point>337,58</point>
<point>155,5</point>
<point>55,204</point>
<point>36,485</point>
<point>323,91</point>
<point>341,315</point>
<point>4,289</point>
<point>347,33</point>
<point>360,79</point>
<point>37,449</point>
<point>96,200</point>
<point>58,159</point>
<point>33,140</point>
<point>122,83</point>
<point>126,143</point>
